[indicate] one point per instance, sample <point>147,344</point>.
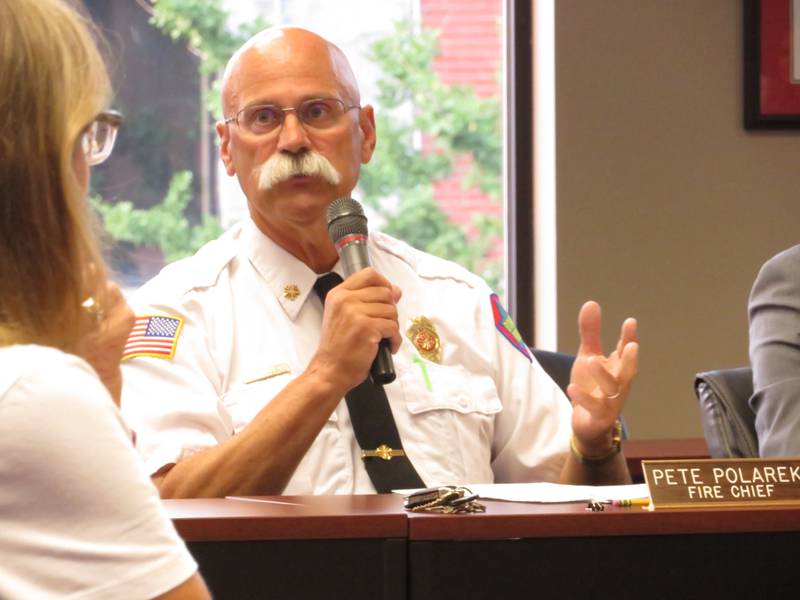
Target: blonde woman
<point>78,515</point>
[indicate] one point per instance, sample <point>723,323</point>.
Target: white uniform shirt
<point>79,517</point>
<point>485,413</point>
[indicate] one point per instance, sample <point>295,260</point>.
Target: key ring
<point>446,499</point>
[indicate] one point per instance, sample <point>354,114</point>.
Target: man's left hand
<point>600,384</point>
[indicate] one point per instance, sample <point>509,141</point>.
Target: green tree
<point>397,184</point>
<point>203,26</point>
<point>451,115</point>
<point>164,226</point>
<point>413,100</point>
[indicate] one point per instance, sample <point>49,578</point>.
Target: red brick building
<point>471,44</point>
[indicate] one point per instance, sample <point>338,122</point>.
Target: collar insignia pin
<point>291,291</point>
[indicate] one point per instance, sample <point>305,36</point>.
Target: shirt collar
<point>290,279</point>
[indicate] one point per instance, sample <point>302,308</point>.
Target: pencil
<point>631,502</point>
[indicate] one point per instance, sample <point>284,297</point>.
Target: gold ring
<point>615,396</point>
<point>93,310</point>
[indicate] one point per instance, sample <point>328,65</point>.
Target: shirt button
<point>463,403</point>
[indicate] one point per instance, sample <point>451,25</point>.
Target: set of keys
<point>446,499</point>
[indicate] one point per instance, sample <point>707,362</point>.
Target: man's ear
<point>224,147</point>
<point>367,123</point>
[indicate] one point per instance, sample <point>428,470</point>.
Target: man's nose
<point>293,136</point>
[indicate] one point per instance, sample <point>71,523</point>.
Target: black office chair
<point>558,365</point>
<point>728,421</point>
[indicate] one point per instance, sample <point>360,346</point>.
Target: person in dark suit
<point>774,313</point>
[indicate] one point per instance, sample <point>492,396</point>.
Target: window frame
<point>519,161</point>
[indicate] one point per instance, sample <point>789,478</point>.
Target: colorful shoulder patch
<point>153,335</point>
<point>504,324</point>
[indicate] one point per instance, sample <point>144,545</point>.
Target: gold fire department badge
<point>422,333</point>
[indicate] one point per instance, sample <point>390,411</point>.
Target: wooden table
<point>562,551</point>
<point>673,448</point>
<point>298,547</point>
<point>368,547</point>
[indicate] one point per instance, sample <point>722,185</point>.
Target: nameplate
<point>722,482</point>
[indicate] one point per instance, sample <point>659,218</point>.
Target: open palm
<point>600,384</point>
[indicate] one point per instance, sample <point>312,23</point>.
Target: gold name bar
<point>722,482</point>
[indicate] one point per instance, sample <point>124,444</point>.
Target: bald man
<point>235,376</point>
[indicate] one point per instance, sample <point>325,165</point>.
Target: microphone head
<point>345,217</point>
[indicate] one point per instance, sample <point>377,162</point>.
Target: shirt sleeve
<point>82,518</point>
<point>532,431</point>
<point>173,404</point>
<point>774,312</point>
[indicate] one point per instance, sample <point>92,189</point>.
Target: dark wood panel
<point>527,520</point>
<point>367,569</point>
<point>672,566</point>
<point>369,547</point>
<point>289,517</point>
<point>674,448</point>
<point>303,547</point>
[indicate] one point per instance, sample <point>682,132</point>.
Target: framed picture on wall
<point>772,64</point>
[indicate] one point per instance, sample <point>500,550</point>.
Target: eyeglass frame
<point>283,111</point>
<point>110,118</point>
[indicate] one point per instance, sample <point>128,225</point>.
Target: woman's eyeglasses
<point>98,138</point>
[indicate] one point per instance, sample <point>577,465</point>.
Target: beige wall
<point>666,205</point>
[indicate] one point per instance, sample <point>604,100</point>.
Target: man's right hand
<point>359,313</point>
<point>103,345</point>
<point>261,458</point>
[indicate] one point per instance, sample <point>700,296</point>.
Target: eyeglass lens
<point>98,141</point>
<point>319,113</point>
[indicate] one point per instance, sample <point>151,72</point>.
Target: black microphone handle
<point>382,370</point>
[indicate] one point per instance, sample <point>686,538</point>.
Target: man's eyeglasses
<point>98,138</point>
<point>318,113</point>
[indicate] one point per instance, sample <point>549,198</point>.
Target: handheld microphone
<point>347,226</point>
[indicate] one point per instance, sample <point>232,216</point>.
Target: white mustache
<point>281,166</point>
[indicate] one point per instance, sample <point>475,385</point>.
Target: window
<point>433,70</point>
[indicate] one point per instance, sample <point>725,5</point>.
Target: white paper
<point>554,492</point>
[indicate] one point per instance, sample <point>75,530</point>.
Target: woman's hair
<point>53,82</point>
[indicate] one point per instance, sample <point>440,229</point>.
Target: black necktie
<point>373,425</point>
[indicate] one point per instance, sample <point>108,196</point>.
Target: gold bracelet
<point>616,445</point>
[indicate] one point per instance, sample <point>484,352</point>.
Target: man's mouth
<point>301,178</point>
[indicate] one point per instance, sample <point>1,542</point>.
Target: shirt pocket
<point>428,386</point>
<point>243,401</point>
<point>451,413</point>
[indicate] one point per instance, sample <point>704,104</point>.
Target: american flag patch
<point>153,335</point>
